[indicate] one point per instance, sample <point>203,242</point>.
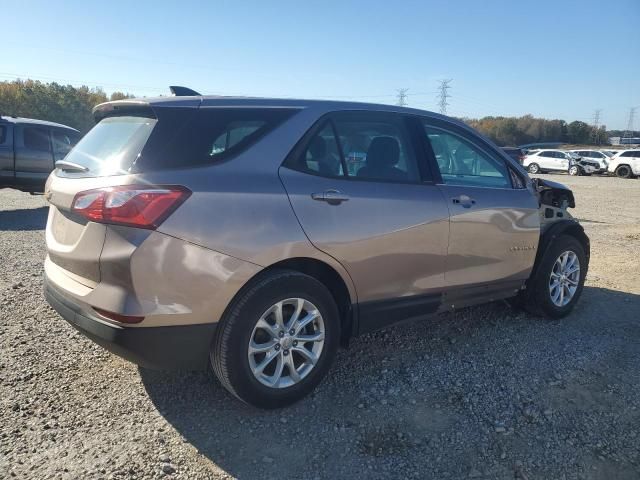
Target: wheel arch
<point>563,227</point>
<point>329,277</point>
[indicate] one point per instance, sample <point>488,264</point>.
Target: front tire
<point>624,171</point>
<point>277,340</point>
<point>574,171</point>
<point>559,279</point>
<point>534,168</point>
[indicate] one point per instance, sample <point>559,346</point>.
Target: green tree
<point>51,101</point>
<point>580,132</point>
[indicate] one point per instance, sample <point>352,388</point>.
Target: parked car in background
<point>188,230</point>
<point>594,156</point>
<point>610,153</point>
<point>582,166</point>
<point>29,149</point>
<point>514,152</point>
<point>548,160</point>
<point>625,164</point>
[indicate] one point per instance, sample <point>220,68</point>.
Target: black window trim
<point>449,127</point>
<point>300,147</point>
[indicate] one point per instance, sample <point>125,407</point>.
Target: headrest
<point>383,152</point>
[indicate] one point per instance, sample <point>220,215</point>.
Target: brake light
<point>132,205</point>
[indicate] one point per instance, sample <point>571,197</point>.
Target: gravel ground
<point>486,392</point>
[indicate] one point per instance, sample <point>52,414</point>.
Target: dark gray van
<point>29,149</point>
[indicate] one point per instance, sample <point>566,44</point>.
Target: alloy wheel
<point>286,343</point>
<point>564,278</point>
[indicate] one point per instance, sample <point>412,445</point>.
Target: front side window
<point>37,138</point>
<point>463,163</point>
<point>376,146</point>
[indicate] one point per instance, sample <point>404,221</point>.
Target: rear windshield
<point>113,145</point>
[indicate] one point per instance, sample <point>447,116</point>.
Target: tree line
<point>513,131</point>
<point>53,102</point>
<point>72,106</point>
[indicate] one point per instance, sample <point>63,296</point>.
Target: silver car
<point>259,235</point>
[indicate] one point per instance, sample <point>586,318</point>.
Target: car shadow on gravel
<point>23,219</point>
<point>345,429</point>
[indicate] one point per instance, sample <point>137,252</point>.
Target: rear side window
<point>37,138</point>
<point>322,155</point>
<point>376,146</point>
<point>371,146</point>
<point>3,134</point>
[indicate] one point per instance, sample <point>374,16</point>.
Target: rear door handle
<point>464,200</point>
<point>332,197</point>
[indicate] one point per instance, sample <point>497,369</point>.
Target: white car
<point>594,156</point>
<point>626,164</point>
<point>548,160</point>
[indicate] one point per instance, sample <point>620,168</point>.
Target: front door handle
<point>464,200</point>
<point>332,197</point>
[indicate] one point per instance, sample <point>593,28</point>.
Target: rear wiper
<point>70,166</point>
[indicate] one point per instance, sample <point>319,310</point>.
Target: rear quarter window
<point>207,135</point>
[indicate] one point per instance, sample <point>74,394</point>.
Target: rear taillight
<point>132,205</point>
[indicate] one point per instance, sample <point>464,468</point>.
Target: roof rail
<point>177,91</point>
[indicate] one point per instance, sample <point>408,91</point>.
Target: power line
<point>629,131</point>
<point>596,126</point>
<point>402,97</point>
<point>443,95</point>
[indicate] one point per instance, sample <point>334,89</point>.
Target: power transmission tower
<point>629,131</point>
<point>596,126</point>
<point>443,95</point>
<point>402,97</point>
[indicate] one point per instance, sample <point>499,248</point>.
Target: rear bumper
<point>163,348</point>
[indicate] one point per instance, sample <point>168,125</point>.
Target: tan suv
<point>261,234</point>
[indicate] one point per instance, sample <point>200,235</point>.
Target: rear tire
<point>540,296</point>
<point>624,171</point>
<point>251,324</point>
<point>534,168</point>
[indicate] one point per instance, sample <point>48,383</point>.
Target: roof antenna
<point>177,91</point>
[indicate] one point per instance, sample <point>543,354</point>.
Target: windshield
<point>113,145</point>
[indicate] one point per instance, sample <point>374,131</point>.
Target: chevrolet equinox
<point>259,235</point>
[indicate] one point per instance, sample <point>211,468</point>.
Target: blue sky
<point>556,59</point>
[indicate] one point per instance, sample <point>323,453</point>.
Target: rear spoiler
<point>139,107</point>
<point>177,91</point>
<point>122,107</point>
